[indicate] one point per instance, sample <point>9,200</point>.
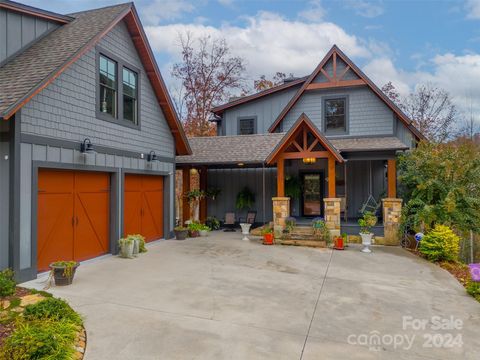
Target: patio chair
<point>229,222</point>
<point>250,218</point>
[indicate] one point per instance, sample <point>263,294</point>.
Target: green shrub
<point>473,288</point>
<point>7,283</point>
<point>213,223</point>
<point>52,309</point>
<point>40,340</point>
<point>440,244</point>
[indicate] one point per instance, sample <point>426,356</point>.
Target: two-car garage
<point>74,211</point>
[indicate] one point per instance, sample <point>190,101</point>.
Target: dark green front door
<point>312,196</point>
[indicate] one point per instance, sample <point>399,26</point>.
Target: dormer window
<point>108,86</point>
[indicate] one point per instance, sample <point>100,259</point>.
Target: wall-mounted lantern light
<point>152,156</point>
<point>309,161</point>
<point>86,147</point>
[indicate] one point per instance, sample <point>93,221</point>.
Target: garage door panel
<point>152,219</point>
<point>91,227</point>
<point>143,206</point>
<point>73,215</point>
<point>132,216</point>
<point>55,228</point>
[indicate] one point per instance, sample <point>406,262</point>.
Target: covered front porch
<point>299,174</point>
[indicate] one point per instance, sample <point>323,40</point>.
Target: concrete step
<point>296,242</point>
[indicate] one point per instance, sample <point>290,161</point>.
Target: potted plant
<point>138,244</point>
<point>366,223</point>
<point>193,197</point>
<point>126,247</point>
<point>204,230</point>
<point>63,271</point>
<point>213,223</point>
<point>267,233</point>
<point>181,232</point>
<point>212,192</point>
<point>290,224</point>
<point>245,199</point>
<point>194,229</point>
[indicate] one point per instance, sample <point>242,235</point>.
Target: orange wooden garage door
<point>143,206</point>
<point>73,215</point>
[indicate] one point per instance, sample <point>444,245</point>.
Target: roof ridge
<point>230,136</point>
<point>130,3</point>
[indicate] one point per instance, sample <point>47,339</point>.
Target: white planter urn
<point>366,242</point>
<point>245,231</point>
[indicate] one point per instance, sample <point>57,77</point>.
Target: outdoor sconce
<point>309,161</point>
<point>241,164</point>
<point>193,171</point>
<point>86,147</point>
<point>152,156</point>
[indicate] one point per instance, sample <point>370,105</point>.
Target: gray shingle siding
<point>403,133</point>
<point>18,31</point>
<point>66,108</point>
<point>368,115</point>
<point>266,110</point>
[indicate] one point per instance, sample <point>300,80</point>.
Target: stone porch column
<point>281,210</point>
<point>392,211</point>
<point>332,215</point>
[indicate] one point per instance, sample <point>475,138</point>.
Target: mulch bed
<point>460,271</point>
<point>5,331</point>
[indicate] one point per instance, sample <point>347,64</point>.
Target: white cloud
<point>473,9</point>
<point>364,8</point>
<point>161,10</point>
<point>268,42</point>
<point>458,74</point>
<point>314,11</point>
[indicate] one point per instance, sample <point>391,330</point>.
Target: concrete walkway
<point>223,298</point>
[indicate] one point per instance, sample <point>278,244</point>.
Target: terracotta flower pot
<point>338,243</point>
<point>268,239</point>
<point>194,233</point>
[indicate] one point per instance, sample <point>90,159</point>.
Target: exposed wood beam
<point>335,65</point>
<point>392,178</point>
<point>280,177</point>
<point>313,145</point>
<point>305,154</point>
<point>203,186</point>
<point>326,74</point>
<point>299,148</point>
<point>185,189</point>
<point>304,138</point>
<point>343,83</point>
<point>343,73</point>
<point>331,176</point>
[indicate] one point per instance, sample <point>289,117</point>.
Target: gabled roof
<point>34,69</point>
<point>221,108</point>
<point>336,81</point>
<point>303,122</point>
<point>33,11</point>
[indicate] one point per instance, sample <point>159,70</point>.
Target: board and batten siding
<point>17,31</point>
<point>4,202</point>
<point>265,110</point>
<point>367,114</point>
<point>231,181</point>
<point>66,109</point>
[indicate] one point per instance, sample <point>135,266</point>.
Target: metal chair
<point>229,222</point>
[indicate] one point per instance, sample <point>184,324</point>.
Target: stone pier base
<point>392,211</point>
<point>332,215</point>
<point>281,210</point>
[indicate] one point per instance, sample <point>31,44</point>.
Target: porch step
<point>298,242</point>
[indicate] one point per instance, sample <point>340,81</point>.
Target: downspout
<point>263,190</point>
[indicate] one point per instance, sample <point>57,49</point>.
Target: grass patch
<point>41,292</point>
<point>40,340</point>
<point>7,283</point>
<point>52,309</point>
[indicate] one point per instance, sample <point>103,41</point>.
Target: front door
<point>312,185</point>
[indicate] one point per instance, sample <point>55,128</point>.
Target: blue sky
<point>406,42</point>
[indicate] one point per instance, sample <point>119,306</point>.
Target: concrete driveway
<point>223,298</point>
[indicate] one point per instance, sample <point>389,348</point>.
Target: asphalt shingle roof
<point>30,69</point>
<point>254,149</point>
